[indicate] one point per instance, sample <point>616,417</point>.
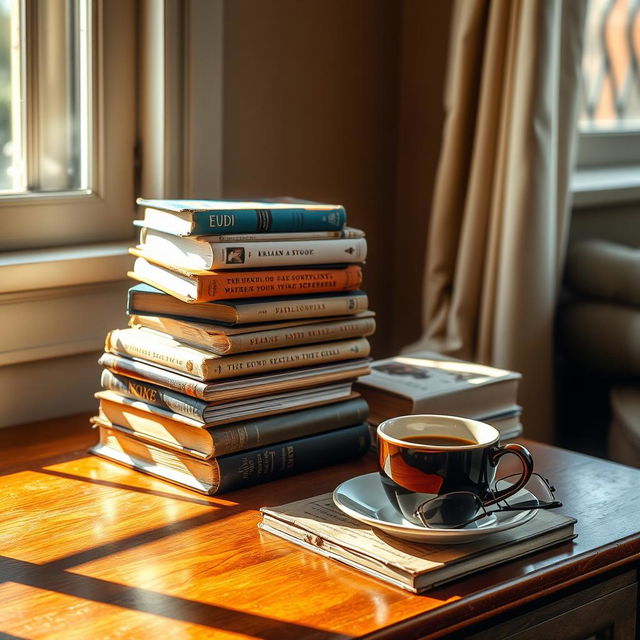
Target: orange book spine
<point>251,284</point>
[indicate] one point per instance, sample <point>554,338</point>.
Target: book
<point>345,232</point>
<point>428,382</point>
<point>318,525</point>
<point>199,285</point>
<point>507,422</point>
<point>241,339</point>
<point>143,299</point>
<point>204,440</point>
<point>201,217</point>
<point>236,470</point>
<point>127,389</point>
<point>198,363</point>
<point>236,388</point>
<point>198,253</point>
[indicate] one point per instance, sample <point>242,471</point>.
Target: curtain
<point>501,202</point>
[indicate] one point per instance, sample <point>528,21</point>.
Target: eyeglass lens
<point>459,508</point>
<point>450,509</point>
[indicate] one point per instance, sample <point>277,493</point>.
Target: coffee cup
<point>424,456</point>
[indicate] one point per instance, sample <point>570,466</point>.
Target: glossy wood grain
<point>90,549</point>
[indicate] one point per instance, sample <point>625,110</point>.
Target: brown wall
<point>313,91</point>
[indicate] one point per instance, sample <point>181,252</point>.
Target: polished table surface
<point>90,549</point>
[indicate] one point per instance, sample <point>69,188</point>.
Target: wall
<point>313,95</point>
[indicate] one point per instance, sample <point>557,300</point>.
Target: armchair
<point>599,332</point>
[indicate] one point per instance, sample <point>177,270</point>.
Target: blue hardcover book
<point>220,217</point>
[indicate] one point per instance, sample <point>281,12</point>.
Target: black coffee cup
<point>424,456</point>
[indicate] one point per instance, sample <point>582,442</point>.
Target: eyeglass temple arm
<point>525,507</point>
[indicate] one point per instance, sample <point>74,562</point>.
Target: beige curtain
<point>501,201</point>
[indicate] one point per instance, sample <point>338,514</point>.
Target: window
<point>67,116</point>
<point>609,123</point>
<point>67,141</point>
<point>611,77</point>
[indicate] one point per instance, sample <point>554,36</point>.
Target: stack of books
<point>247,329</point>
<point>428,382</point>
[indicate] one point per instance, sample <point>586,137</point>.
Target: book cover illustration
<point>423,376</point>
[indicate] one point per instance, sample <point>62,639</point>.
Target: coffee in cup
<point>424,456</point>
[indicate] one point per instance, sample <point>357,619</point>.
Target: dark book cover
<point>240,470</point>
<point>236,470</point>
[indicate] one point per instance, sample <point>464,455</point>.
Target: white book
<point>428,382</point>
<point>197,253</point>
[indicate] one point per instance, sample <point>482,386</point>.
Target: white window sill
<point>598,186</point>
<point>63,267</point>
<point>61,302</point>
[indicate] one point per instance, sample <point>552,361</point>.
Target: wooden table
<point>90,549</point>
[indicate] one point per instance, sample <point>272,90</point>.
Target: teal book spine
<point>240,470</point>
<point>220,217</point>
<point>266,221</point>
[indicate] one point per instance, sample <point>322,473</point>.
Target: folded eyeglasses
<point>460,508</point>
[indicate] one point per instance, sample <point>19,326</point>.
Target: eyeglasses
<point>460,508</point>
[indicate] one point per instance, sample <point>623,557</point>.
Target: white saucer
<point>364,499</point>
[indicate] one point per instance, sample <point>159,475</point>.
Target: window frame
<point>103,212</point>
<point>58,303</point>
<point>607,167</point>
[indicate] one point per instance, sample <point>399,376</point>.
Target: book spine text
<point>244,469</point>
<point>152,394</point>
<point>267,221</point>
<point>144,344</point>
<point>223,286</point>
<point>308,308</point>
<point>301,335</point>
<point>252,255</point>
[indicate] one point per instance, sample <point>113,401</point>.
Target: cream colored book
<point>225,340</point>
<point>319,526</point>
<point>197,253</point>
<point>161,349</point>
<point>239,389</point>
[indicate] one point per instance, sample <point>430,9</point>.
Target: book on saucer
<point>318,525</point>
